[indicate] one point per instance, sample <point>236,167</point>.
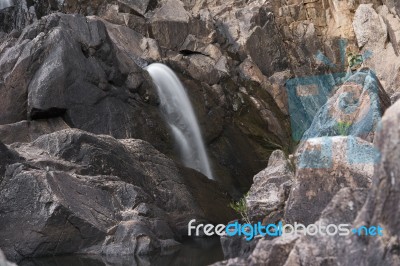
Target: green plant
<point>354,60</point>
<point>343,128</point>
<point>240,207</point>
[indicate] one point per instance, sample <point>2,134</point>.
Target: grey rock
<point>354,109</point>
<point>381,207</point>
<point>72,191</point>
<point>27,131</point>
<point>138,6</point>
<point>7,157</point>
<point>267,252</point>
<point>89,79</point>
<point>236,246</point>
<point>169,24</point>
<point>369,27</point>
<point>293,250</point>
<point>267,196</point>
<point>265,48</point>
<point>326,249</point>
<point>324,166</point>
<point>3,260</point>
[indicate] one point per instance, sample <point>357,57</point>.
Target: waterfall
<point>5,3</point>
<point>178,113</point>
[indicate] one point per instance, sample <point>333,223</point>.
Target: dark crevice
<point>189,52</point>
<point>152,5</point>
<point>48,113</point>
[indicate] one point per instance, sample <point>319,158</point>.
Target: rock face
<point>360,207</point>
<point>3,260</point>
<point>328,250</point>
<point>382,203</point>
<point>27,131</point>
<point>291,249</point>
<point>354,206</point>
<point>72,191</point>
<point>354,110</point>
<point>237,60</point>
<point>94,78</point>
<point>170,24</point>
<point>369,27</point>
<point>268,195</point>
<point>325,165</point>
<point>85,78</point>
<point>265,48</point>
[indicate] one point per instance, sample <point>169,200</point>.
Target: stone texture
<point>3,260</point>
<point>220,49</point>
<point>354,109</point>
<point>94,81</point>
<point>27,131</point>
<point>329,250</point>
<point>267,252</point>
<point>264,46</point>
<point>169,25</point>
<point>78,192</point>
<point>369,27</point>
<point>88,78</point>
<point>324,166</point>
<point>296,250</point>
<point>236,246</point>
<point>268,195</point>
<point>138,6</point>
<point>381,206</point>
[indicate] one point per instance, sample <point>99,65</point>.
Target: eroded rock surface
<point>73,191</point>
<point>268,195</point>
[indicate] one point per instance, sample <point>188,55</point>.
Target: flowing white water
<point>5,3</point>
<point>179,114</point>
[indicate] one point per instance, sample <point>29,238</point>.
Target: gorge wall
<point>79,115</point>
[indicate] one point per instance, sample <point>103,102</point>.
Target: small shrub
<point>343,128</point>
<point>240,207</point>
<point>355,60</point>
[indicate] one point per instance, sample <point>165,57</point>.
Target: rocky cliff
<point>89,166</point>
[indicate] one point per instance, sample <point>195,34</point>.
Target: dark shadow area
<point>199,252</point>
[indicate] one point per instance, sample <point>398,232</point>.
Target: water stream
<point>178,113</point>
<point>5,3</point>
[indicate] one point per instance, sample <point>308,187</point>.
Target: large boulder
<point>88,79</point>
<point>324,166</point>
<point>7,157</point>
<point>73,191</point>
<point>382,206</point>
<point>354,109</point>
<point>264,46</point>
<point>170,24</point>
<point>329,249</point>
<point>298,249</point>
<point>369,27</point>
<point>27,131</point>
<point>267,196</point>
